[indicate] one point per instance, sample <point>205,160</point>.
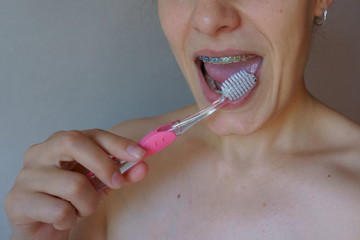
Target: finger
<point>117,146</point>
<point>70,186</point>
<point>90,148</point>
<point>39,207</point>
<point>137,173</point>
<point>75,145</point>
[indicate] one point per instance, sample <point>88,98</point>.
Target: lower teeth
<point>211,83</point>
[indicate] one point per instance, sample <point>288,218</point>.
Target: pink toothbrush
<point>233,89</point>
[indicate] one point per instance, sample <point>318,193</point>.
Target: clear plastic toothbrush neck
<point>185,124</point>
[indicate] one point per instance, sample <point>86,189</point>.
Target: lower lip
<point>211,96</point>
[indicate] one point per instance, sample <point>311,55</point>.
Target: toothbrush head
<point>238,85</point>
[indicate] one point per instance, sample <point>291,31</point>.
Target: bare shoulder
<point>136,128</point>
<point>338,132</point>
<point>337,148</point>
<point>342,136</point>
<point>343,179</point>
<point>346,134</point>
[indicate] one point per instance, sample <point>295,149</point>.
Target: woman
<point>277,164</point>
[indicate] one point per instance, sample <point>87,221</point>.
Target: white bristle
<point>238,85</point>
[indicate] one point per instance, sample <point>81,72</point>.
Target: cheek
<point>173,20</point>
<point>282,18</point>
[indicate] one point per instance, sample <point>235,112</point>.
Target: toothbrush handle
<point>153,142</point>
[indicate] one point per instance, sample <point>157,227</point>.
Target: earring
<point>321,20</point>
<point>325,15</point>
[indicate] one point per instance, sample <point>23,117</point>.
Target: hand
<point>49,196</point>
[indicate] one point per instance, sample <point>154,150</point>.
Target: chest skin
<point>184,198</point>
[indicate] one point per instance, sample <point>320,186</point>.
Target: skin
<point>282,166</point>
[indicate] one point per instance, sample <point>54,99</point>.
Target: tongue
<point>221,72</point>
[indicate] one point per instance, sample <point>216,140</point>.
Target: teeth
<point>241,82</point>
<point>211,83</point>
<point>226,59</point>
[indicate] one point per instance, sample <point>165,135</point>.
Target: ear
<point>320,6</point>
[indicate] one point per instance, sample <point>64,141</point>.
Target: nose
<point>212,17</point>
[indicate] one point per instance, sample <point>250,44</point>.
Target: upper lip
<point>216,53</point>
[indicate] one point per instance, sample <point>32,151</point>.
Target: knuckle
<point>89,207</point>
<point>62,212</point>
<point>22,177</point>
<point>57,133</point>
<point>21,184</point>
<point>96,130</point>
<point>76,184</point>
<point>77,189</point>
<point>30,153</point>
<point>94,133</point>
<point>12,205</point>
<point>31,149</point>
<point>70,139</point>
<point>9,201</point>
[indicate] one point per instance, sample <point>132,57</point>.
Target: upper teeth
<point>226,59</point>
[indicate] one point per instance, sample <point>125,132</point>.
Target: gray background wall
<point>78,64</point>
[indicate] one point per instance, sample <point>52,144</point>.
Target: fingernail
<point>116,180</point>
<point>136,151</point>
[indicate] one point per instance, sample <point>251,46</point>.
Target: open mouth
<point>217,70</point>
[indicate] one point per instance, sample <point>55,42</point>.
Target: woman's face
<point>269,38</point>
